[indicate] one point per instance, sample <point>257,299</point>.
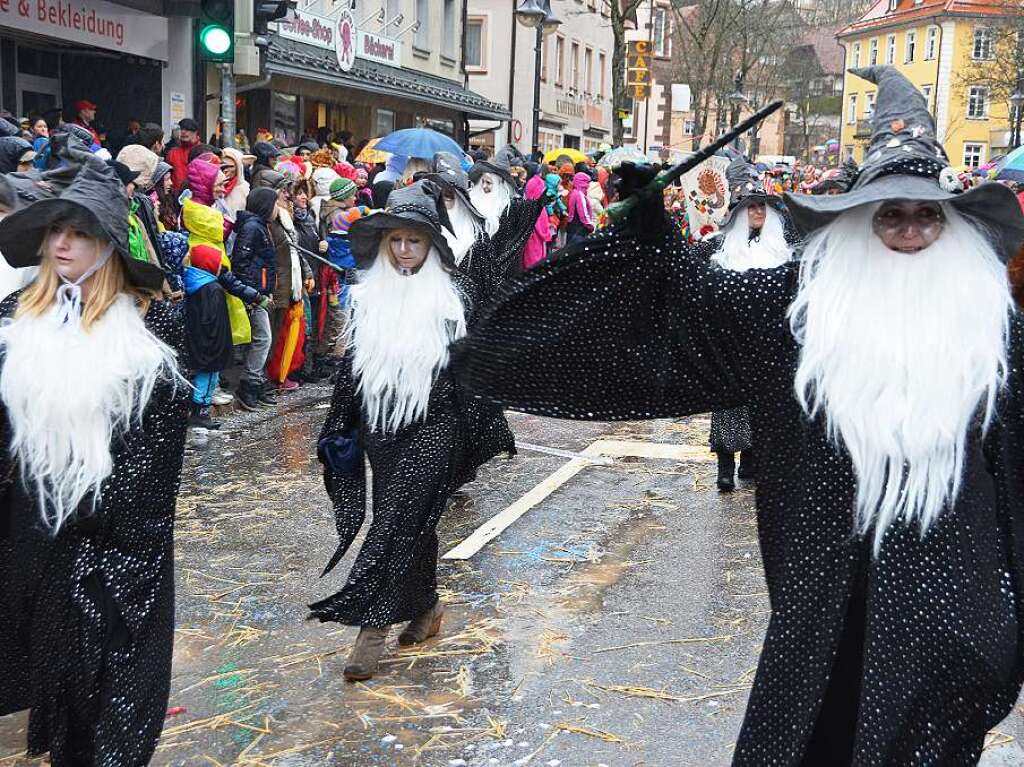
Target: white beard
<point>739,253</point>
<point>491,206</point>
<point>901,352</point>
<point>467,230</point>
<point>69,392</point>
<point>400,329</point>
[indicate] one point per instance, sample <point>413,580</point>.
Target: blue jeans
<point>205,383</point>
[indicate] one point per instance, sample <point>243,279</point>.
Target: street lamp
<point>537,14</point>
<point>1017,100</point>
<point>736,98</point>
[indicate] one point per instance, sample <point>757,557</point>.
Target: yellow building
<point>938,45</point>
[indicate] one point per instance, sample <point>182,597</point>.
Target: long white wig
<point>400,328</point>
<point>468,229</point>
<point>69,392</point>
<point>766,251</point>
<point>492,205</point>
<point>901,352</point>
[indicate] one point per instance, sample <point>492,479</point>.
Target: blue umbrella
<point>1011,167</point>
<point>418,142</point>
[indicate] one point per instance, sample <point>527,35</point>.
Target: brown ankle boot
<point>422,628</point>
<point>366,654</point>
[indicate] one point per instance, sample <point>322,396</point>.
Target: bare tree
<point>999,63</point>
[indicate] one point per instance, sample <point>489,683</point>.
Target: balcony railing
<point>863,129</point>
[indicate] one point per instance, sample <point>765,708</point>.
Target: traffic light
<point>267,11</point>
<point>215,31</point>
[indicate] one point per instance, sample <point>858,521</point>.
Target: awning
<point>295,59</point>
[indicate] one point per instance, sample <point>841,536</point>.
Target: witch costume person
<point>884,377</point>
<point>753,236</point>
<point>508,218</point>
<point>93,430</point>
<point>396,402</point>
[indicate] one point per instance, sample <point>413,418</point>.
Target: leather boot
<point>422,628</point>
<point>366,654</point>
<point>726,470</point>
<point>747,470</point>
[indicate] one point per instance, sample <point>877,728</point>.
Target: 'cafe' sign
<point>323,33</point>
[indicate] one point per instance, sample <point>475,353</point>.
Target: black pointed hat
<point>746,188</point>
<point>906,162</point>
<point>419,206</point>
<point>500,165</point>
<point>448,174</point>
<point>94,202</point>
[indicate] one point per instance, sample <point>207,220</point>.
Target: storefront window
<point>385,122</point>
<point>549,140</point>
<point>284,115</point>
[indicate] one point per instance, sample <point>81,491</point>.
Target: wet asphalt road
<point>617,623</point>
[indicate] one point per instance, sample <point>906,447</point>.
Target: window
<point>851,110</point>
<point>849,154</point>
<point>926,91</point>
<point>559,60</point>
<point>575,62</point>
<point>544,43</point>
<point>869,105</point>
<point>423,17</point>
<point>974,155</point>
<point>856,54</point>
<point>893,4</point>
<point>977,102</point>
<point>873,52</point>
<point>984,46</point>
<point>931,44</point>
<point>393,8</point>
<point>474,50</point>
<point>588,71</point>
<point>385,122</point>
<point>601,92</point>
<point>910,48</point>
<point>660,32</point>
<point>890,49</point>
<point>448,44</point>
<point>689,126</point>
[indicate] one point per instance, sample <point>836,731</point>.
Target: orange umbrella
<point>372,156</point>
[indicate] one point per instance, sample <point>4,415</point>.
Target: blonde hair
<point>412,167</point>
<point>105,285</point>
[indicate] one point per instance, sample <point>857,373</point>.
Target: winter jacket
<point>306,229</point>
<point>284,241</point>
<point>11,150</point>
<point>177,158</point>
<point>253,258</point>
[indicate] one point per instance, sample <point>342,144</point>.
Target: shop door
<point>37,81</point>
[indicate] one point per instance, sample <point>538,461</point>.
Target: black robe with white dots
<point>415,471</point>
<point>927,635</point>
<point>87,617</point>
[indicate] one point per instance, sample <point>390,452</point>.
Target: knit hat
<point>498,165</point>
<point>141,160</point>
<point>906,162</point>
<point>342,189</point>
<point>345,170</point>
<point>322,180</point>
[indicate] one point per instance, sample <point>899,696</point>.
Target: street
<point>618,622</point>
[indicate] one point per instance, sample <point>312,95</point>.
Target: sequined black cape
<point>628,330</point>
<point>87,618</point>
<point>415,471</point>
<point>514,230</point>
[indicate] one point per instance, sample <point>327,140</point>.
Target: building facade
<point>387,65</point>
<point>128,58</point>
<point>937,44</point>
<point>575,75</point>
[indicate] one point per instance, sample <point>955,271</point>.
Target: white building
<point>575,74</point>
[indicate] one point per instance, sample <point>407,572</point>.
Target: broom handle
<point>618,211</point>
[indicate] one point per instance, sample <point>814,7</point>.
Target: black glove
<point>648,220</point>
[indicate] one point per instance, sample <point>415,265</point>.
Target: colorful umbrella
<point>371,155</point>
<point>619,155</point>
<point>574,155</point>
<point>1011,167</point>
<point>417,142</point>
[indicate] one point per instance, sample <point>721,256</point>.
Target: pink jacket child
<point>206,182</point>
<point>580,219</point>
<point>536,247</point>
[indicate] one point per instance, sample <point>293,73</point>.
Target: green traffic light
<point>215,39</point>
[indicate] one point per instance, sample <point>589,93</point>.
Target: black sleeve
<point>621,329</point>
<point>237,288</point>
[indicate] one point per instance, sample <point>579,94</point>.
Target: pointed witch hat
<point>448,174</point>
<point>745,189</point>
<point>418,206</point>
<point>906,162</point>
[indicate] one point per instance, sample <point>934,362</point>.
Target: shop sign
<point>90,22</point>
<point>569,108</point>
<point>383,50</point>
<point>345,46</point>
<point>308,28</point>
<point>638,70</point>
